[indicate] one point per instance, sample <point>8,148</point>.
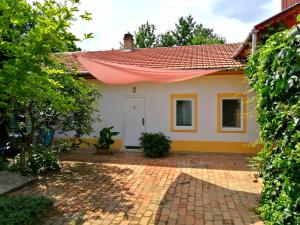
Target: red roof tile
<point>173,58</point>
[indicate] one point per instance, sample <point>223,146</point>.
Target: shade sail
<point>113,73</point>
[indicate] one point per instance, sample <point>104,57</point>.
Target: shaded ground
<point>127,188</point>
<point>10,181</point>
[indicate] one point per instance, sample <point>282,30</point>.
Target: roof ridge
<point>170,47</point>
<point>179,57</point>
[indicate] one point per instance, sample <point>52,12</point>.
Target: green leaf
<point>89,35</point>
<point>298,18</point>
<point>86,16</point>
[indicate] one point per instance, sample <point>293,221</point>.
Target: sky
<point>232,19</point>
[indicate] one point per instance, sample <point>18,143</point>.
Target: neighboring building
<point>288,17</point>
<point>196,95</point>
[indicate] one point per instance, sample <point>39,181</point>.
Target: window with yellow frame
<point>232,110</point>
<point>183,110</point>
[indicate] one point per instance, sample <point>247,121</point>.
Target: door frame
<point>123,109</point>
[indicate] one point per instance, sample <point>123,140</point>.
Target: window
<point>183,112</point>
<point>231,113</point>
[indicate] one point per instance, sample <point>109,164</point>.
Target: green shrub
<point>23,210</point>
<point>105,139</point>
<point>274,73</point>
<point>3,165</point>
<point>155,144</point>
<point>63,145</point>
<point>39,159</point>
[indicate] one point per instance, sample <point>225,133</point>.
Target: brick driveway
<point>127,188</point>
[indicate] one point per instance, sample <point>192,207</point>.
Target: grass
<point>25,210</point>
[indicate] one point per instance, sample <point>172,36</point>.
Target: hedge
<point>25,210</point>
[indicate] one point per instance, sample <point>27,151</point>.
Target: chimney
<point>288,3</point>
<point>128,41</point>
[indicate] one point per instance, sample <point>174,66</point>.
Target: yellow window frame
<point>194,98</point>
<point>241,96</point>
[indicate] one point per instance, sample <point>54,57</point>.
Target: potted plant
<point>105,140</point>
<point>155,144</point>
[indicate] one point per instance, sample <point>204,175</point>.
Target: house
<point>196,95</point>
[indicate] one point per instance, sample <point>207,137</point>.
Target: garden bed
<point>25,210</point>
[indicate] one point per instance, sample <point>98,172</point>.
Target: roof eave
<point>242,46</point>
<point>264,23</point>
<point>288,10</point>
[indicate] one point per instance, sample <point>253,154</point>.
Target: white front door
<point>134,120</point>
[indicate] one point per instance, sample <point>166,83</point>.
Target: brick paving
<point>127,188</point>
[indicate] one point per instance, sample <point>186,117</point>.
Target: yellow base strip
<point>117,145</point>
<point>196,146</point>
<point>214,146</point>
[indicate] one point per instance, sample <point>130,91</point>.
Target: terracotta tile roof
<point>180,57</point>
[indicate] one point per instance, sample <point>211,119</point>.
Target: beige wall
<point>157,107</point>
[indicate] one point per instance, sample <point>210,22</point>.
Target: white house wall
<point>157,107</point>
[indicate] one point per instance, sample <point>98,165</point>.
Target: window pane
<point>231,109</point>
<point>183,113</point>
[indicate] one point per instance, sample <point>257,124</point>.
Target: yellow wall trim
<point>192,96</point>
<point>117,145</point>
<point>214,146</point>
<point>244,116</point>
<point>186,146</point>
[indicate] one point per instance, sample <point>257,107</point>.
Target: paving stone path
<point>127,188</point>
<point>10,181</point>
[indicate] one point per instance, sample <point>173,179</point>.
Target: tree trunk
<point>6,111</point>
<point>22,159</point>
<point>23,148</point>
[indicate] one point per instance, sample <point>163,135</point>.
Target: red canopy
<point>113,73</point>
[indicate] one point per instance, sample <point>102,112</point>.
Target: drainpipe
<point>254,40</point>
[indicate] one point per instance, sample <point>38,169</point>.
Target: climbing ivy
<point>274,74</point>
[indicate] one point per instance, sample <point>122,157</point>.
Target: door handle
<point>143,121</point>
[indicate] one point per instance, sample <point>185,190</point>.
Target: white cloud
<point>111,19</point>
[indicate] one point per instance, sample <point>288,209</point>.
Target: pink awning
<point>112,73</point>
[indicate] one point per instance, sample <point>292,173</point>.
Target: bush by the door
<point>155,144</point>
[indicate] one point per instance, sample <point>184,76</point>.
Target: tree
<point>71,44</point>
<point>5,117</point>
<point>188,32</point>
<point>145,36</point>
<point>166,40</point>
<point>30,74</point>
<point>203,35</point>
<point>184,31</point>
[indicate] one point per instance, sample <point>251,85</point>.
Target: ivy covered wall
<point>274,73</point>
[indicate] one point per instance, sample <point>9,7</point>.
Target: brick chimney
<point>128,41</point>
<point>288,3</point>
